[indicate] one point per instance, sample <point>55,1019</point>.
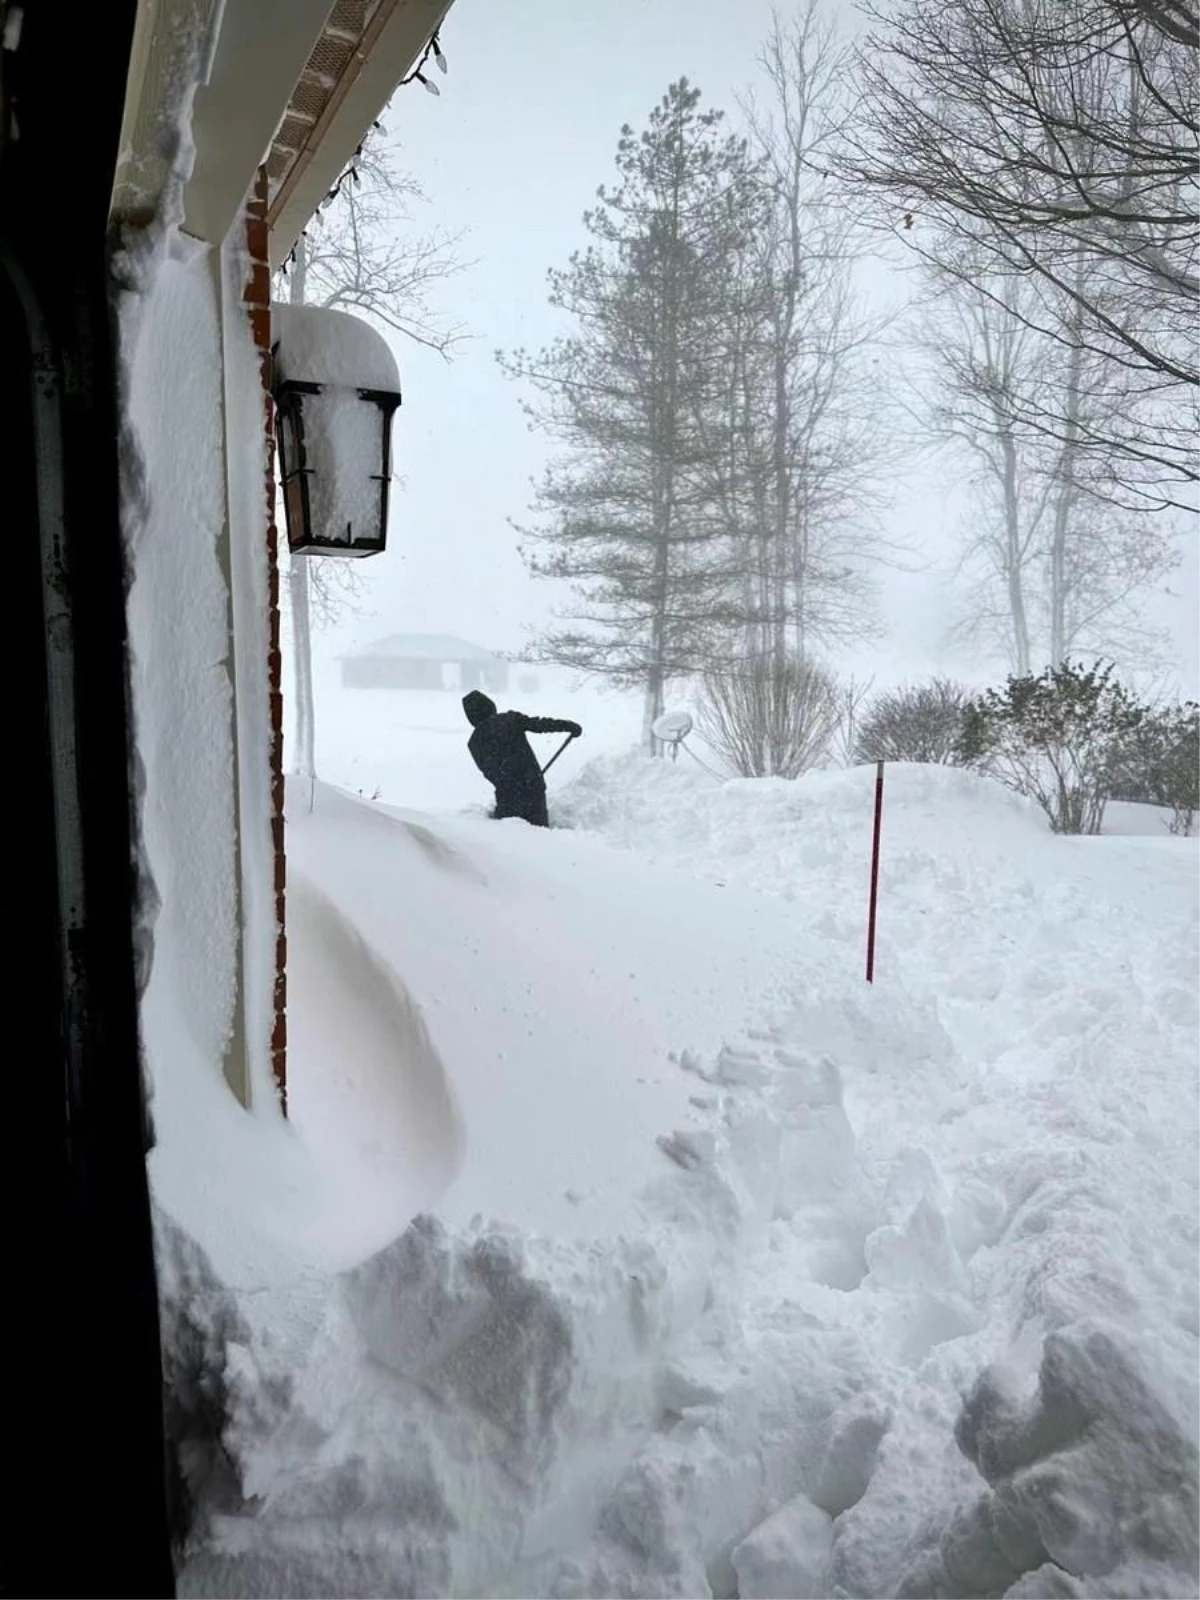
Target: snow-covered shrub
<point>1058,738</point>
<point>922,722</point>
<point>769,716</point>
<point>1161,764</point>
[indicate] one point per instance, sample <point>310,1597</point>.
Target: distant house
<point>423,661</point>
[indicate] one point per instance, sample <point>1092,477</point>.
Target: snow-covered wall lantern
<point>336,389</point>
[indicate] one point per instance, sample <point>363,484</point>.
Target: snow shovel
<point>557,753</point>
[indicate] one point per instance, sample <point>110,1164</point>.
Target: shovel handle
<point>557,753</point>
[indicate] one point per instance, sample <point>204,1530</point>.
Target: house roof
<point>421,646</point>
<point>365,48</point>
<point>296,84</point>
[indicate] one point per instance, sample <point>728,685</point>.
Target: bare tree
<point>1055,141</point>
<point>803,428</point>
<point>362,253</point>
<point>852,696</point>
<point>359,254</point>
<point>767,716</point>
<point>1055,568</point>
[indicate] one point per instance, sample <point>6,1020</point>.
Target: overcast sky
<point>511,153</point>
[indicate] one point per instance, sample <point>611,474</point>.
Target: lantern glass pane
<point>344,441</point>
<point>289,454</point>
<point>294,498</point>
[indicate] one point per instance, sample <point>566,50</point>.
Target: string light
<point>432,49</point>
<point>417,75</point>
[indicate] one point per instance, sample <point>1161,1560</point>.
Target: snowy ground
<point>624,1242</point>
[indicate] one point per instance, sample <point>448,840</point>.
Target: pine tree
<point>626,513</point>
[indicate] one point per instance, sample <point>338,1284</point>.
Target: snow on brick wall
<point>179,645</point>
<point>230,1180</point>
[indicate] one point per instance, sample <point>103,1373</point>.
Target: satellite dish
<point>672,728</point>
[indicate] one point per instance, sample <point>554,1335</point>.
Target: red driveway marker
<point>874,872</point>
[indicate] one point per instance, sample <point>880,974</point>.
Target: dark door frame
<point>84,1501</point>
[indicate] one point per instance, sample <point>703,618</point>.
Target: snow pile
<point>758,827</point>
<point>1089,1470</point>
<point>732,1276</point>
<point>314,344</point>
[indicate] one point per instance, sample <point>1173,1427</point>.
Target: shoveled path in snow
<point>1017,1158</point>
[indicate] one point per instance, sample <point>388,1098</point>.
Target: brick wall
<point>257,299</point>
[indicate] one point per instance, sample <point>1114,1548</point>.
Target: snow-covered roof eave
<point>252,66</point>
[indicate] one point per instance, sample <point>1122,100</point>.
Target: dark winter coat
<point>501,751</point>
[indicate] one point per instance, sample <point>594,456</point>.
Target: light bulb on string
<point>438,56</point>
<point>430,88</point>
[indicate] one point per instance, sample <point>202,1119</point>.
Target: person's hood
<point>478,707</point>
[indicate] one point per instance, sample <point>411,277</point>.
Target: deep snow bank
<point>553,977</point>
<point>891,1291</point>
<point>753,825</point>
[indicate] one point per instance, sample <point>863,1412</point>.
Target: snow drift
<point>731,1276</point>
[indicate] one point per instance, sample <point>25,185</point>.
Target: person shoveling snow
<point>501,751</point>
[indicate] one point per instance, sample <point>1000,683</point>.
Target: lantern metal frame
<point>294,476</point>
